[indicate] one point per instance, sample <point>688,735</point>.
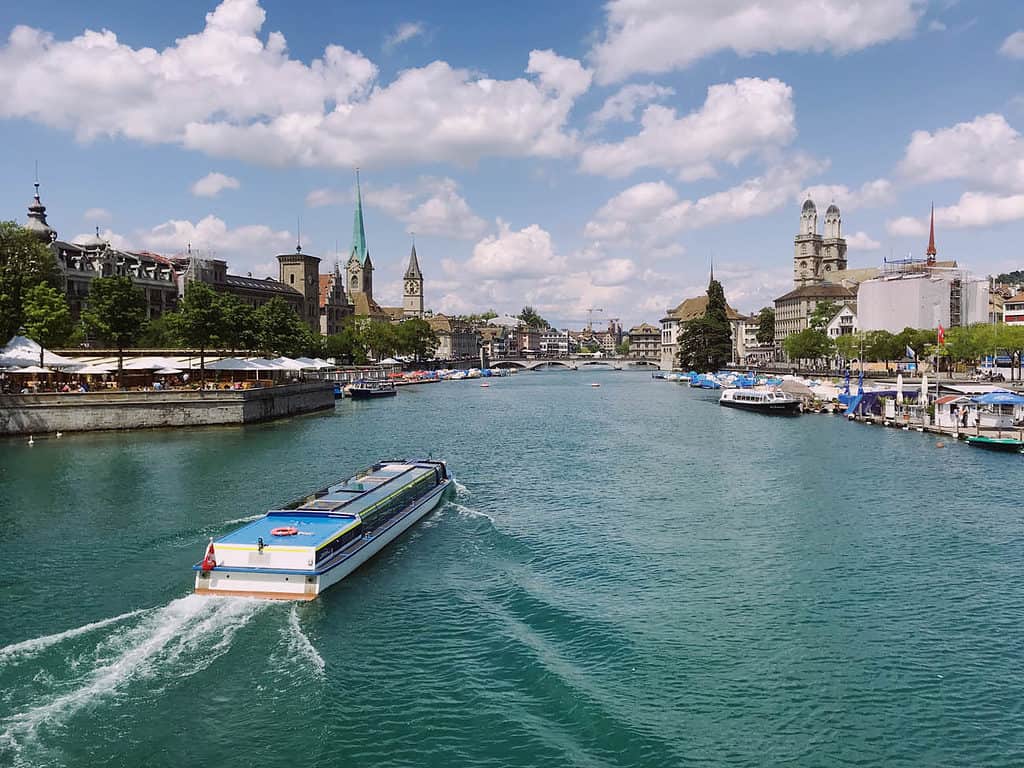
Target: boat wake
<point>238,520</point>
<point>174,641</point>
<point>12,654</point>
<point>299,643</point>
<point>460,489</point>
<point>465,511</point>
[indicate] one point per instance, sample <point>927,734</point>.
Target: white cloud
<point>229,92</point>
<point>97,214</point>
<point>210,236</point>
<point>212,184</point>
<point>521,254</point>
<point>116,239</point>
<point>650,214</point>
<point>986,150</point>
<point>906,226</point>
<point>936,26</point>
<point>1013,46</point>
<point>870,193</point>
<point>861,241</point>
<point>623,104</point>
<point>405,32</point>
<point>662,35</point>
<point>428,206</point>
<point>737,119</point>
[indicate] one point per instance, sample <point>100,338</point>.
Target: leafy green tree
<point>380,338</point>
<point>766,326</point>
<point>280,331</point>
<point>160,333</point>
<point>199,320</point>
<point>348,345</point>
<point>882,346</point>
<point>849,346</point>
<point>1016,277</point>
<point>705,343</point>
<point>822,314</point>
<point>808,344</point>
<point>532,319</point>
<point>622,348</point>
<point>239,328</point>
<point>415,337</point>
<point>115,313</point>
<point>47,317</point>
<point>24,263</point>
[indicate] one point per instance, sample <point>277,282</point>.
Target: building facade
<point>1013,310</point>
<point>301,272</point>
<point>689,309</point>
<point>843,323</point>
<point>645,342</point>
<point>457,340</point>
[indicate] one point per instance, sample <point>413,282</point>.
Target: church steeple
<point>931,252</point>
<point>358,231</point>
<point>413,270</point>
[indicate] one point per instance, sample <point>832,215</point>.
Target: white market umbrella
<point>95,370</point>
<point>21,351</point>
<point>288,364</point>
<point>924,389</point>
<point>899,389</point>
<point>167,372</point>
<point>32,369</point>
<point>235,364</point>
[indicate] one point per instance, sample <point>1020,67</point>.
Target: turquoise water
<point>628,576</point>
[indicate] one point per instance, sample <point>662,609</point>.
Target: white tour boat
<point>773,401</point>
<point>301,549</point>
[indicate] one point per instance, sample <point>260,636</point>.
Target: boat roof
<point>323,515</point>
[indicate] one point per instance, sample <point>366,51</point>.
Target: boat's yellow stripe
<point>340,533</point>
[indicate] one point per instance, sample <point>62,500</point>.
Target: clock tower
<point>412,292</point>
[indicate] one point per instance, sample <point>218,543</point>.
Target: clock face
<point>411,286</point>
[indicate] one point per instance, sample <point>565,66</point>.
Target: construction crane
<point>590,318</point>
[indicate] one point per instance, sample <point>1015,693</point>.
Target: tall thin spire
<point>931,238</point>
<point>413,270</point>
<point>358,231</point>
<point>298,234</point>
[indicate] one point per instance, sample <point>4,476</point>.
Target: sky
<point>567,156</point>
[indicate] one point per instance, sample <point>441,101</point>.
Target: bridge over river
<point>573,363</point>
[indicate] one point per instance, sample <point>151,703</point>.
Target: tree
<point>766,326</point>
<point>199,319</point>
<point>347,345</point>
<point>115,313</point>
<point>24,263</point>
<point>239,329</point>
<point>622,348</point>
<point>808,344</point>
<point>532,319</point>
<point>882,346</point>
<point>280,331</point>
<point>705,343</point>
<point>47,318</point>
<point>415,337</point>
<point>848,346</point>
<point>380,338</point>
<point>822,314</point>
<point>160,333</point>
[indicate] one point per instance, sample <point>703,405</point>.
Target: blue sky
<point>564,156</point>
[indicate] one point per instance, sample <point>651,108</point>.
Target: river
<point>628,575</point>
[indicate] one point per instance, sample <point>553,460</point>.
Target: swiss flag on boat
<point>209,562</point>
<point>942,334</point>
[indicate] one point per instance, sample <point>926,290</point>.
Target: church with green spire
<point>359,268</point>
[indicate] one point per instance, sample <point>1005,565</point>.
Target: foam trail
<point>246,519</point>
<point>26,648</point>
<point>299,643</point>
<point>150,648</point>
<point>462,509</point>
<point>461,490</point>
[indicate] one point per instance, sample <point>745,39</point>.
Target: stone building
<point>644,342</point>
<point>334,306</point>
<point>359,269</point>
<point>89,257</point>
<point>689,309</point>
<point>301,272</point>
<point>458,340</point>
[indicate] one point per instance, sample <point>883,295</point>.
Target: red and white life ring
<point>284,530</point>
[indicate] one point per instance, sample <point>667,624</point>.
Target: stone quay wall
<point>76,412</point>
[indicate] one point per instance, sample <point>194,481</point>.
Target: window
<point>291,278</point>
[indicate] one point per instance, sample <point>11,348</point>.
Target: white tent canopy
<point>95,369</point>
<point>32,369</point>
<point>22,351</point>
<point>289,364</point>
<point>237,364</point>
<point>309,362</point>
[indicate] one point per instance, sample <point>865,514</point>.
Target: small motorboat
<point>1004,444</point>
<point>595,384</point>
<point>485,384</point>
<point>365,390</point>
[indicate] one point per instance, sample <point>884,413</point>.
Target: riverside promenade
<point>39,414</point>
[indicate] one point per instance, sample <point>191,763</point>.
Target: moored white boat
<point>773,401</point>
<point>298,551</point>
